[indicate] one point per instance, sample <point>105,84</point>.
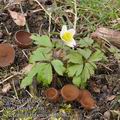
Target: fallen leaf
<point>59,53</point>
<point>95,88</point>
<point>107,115</point>
<point>110,98</point>
<point>18,18</point>
<point>6,88</point>
<point>27,69</point>
<point>115,112</point>
<point>15,1</point>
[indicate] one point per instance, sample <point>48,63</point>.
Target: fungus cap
<point>22,39</point>
<point>70,92</point>
<point>7,54</point>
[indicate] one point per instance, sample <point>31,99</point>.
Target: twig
<point>34,11</point>
<point>49,14</point>
<point>18,73</point>
<point>42,7</point>
<point>15,89</point>
<point>29,93</point>
<point>26,21</point>
<point>6,29</point>
<point>25,54</point>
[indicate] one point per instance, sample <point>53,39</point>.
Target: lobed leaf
<point>58,66</point>
<point>45,73</point>
<point>86,42</point>
<point>77,81</point>
<point>40,54</point>
<point>90,68</point>
<point>85,75</point>
<point>43,40</point>
<point>74,70</point>
<point>29,78</point>
<point>85,52</point>
<point>96,56</point>
<point>75,57</point>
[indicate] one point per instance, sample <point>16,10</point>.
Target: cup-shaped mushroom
<point>86,100</point>
<point>22,39</point>
<point>7,54</point>
<point>70,92</point>
<point>52,94</point>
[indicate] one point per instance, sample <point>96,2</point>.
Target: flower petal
<point>72,31</point>
<point>64,29</point>
<point>71,44</point>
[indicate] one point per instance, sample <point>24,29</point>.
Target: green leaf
<point>43,40</point>
<point>93,64</point>
<point>77,81</point>
<point>90,68</point>
<point>96,56</point>
<point>58,66</point>
<point>45,73</point>
<point>85,52</point>
<point>40,54</point>
<point>74,70</point>
<point>86,42</point>
<point>78,72</point>
<point>74,57</point>
<point>29,78</point>
<point>85,75</point>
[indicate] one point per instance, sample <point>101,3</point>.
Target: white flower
<point>67,36</point>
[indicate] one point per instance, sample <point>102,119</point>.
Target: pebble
<point>1,35</point>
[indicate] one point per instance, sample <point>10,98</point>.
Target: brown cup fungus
<point>7,54</point>
<point>86,100</point>
<point>70,92</point>
<point>23,39</point>
<point>52,94</point>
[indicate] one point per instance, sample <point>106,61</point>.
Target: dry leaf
<point>110,98</point>
<point>115,112</point>
<point>15,1</point>
<point>107,115</point>
<point>95,88</point>
<point>27,69</point>
<point>18,18</point>
<point>6,88</point>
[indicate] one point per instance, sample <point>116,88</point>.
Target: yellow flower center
<point>67,36</point>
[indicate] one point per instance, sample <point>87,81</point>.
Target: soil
<point>104,86</point>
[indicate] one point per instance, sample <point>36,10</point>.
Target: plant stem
<point>49,14</point>
<point>75,9</point>
<point>49,24</point>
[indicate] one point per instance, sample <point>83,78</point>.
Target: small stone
<point>1,35</point>
<point>104,88</point>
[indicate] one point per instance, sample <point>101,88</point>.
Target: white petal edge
<point>64,29</point>
<point>72,31</point>
<point>71,44</point>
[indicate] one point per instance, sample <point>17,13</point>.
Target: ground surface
<point>104,86</point>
